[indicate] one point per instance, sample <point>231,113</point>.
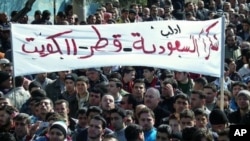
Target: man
<point>82,86</point>
<point>6,118</point>
<point>43,80</point>
<point>92,111</point>
<point>134,132</point>
<point>128,102</point>
<point>62,107</point>
<point>70,94</point>
<point>95,77</point>
<point>128,76</point>
<point>167,94</point>
<point>138,90</point>
<point>18,95</point>
<point>198,100</point>
<point>181,103</point>
<point>57,87</point>
<point>243,102</point>
<point>117,117</point>
<point>45,105</point>
<point>22,127</point>
<point>218,120</point>
<point>147,121</point>
<point>82,123</point>
<point>96,128</point>
<point>199,83</point>
<point>185,83</point>
<point>154,14</point>
<point>151,100</point>
<point>150,78</point>
<point>236,87</point>
<point>124,16</point>
<point>163,133</point>
<point>210,91</point>
<point>107,104</point>
<point>95,95</point>
<point>115,86</point>
<point>187,119</point>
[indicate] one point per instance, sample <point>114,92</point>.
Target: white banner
<point>192,46</point>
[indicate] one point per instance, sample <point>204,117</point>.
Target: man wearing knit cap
<point>243,102</point>
<point>70,93</point>
<point>218,120</point>
<point>58,131</point>
<point>95,77</point>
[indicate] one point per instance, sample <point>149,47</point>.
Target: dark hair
<point>34,84</point>
<point>127,70</point>
<point>116,75</point>
<point>131,100</point>
<point>164,128</point>
<point>82,111</point>
<point>172,82</point>
<point>149,68</point>
<point>146,110</point>
<point>200,93</point>
<point>201,80</point>
<point>202,133</point>
<point>60,101</point>
<point>118,83</point>
<point>139,80</point>
<point>211,86</point>
<point>96,90</point>
<point>238,83</point>
<point>182,96</point>
<point>45,14</point>
<point>96,109</point>
<point>19,81</point>
<point>54,116</point>
<point>130,113</point>
<point>38,93</point>
<point>187,114</point>
<point>119,111</point>
<point>188,132</point>
<point>61,14</point>
<point>99,117</point>
<point>132,132</point>
<point>23,117</point>
<point>200,111</point>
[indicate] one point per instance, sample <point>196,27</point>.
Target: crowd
<point>129,103</point>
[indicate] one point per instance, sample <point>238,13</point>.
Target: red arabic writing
<point>210,43</point>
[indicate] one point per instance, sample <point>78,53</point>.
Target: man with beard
<point>232,50</point>
<point>96,128</point>
<point>242,100</point>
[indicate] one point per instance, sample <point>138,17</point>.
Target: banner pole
<point>222,63</point>
<point>13,65</point>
